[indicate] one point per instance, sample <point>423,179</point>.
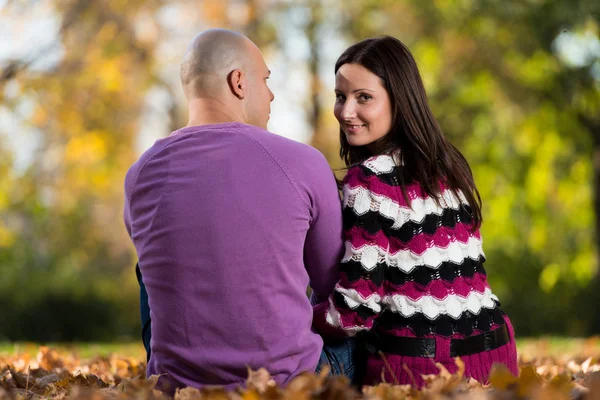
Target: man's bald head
<point>224,77</point>
<point>211,56</point>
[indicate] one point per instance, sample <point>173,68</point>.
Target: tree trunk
<point>314,108</point>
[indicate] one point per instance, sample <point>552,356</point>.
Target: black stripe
<point>444,325</point>
<point>426,347</point>
<point>373,222</point>
<point>389,178</point>
<point>363,311</point>
<point>421,274</point>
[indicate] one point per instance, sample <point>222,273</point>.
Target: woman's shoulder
<point>377,175</point>
<point>379,165</point>
<point>382,163</point>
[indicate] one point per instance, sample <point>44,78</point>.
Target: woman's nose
<point>349,111</point>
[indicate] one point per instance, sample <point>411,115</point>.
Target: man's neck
<point>211,111</point>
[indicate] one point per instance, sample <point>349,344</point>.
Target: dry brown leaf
<point>218,393</point>
<point>44,381</point>
<point>89,381</point>
<point>25,394</point>
<point>65,377</point>
<point>586,365</point>
<point>387,391</point>
<point>594,393</point>
<point>259,380</point>
<point>153,380</point>
<point>529,382</point>
<point>110,393</point>
<point>7,381</point>
<point>187,393</point>
<point>304,383</point>
<point>501,378</point>
<point>23,381</point>
<point>49,359</point>
<point>591,379</point>
<point>4,395</point>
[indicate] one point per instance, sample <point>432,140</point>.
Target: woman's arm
<point>356,300</point>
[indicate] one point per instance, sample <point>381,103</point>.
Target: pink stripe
<point>350,319</point>
<point>442,238</point>
<point>439,289</point>
<point>364,287</point>
<point>320,323</point>
<point>477,366</point>
<point>356,178</point>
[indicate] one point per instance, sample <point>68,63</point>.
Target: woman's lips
<point>353,128</point>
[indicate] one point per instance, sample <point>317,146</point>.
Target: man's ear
<point>237,83</point>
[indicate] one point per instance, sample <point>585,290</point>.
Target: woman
<point>413,286</point>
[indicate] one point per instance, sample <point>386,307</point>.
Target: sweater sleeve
<point>356,300</point>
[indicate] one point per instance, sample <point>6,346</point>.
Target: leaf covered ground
<point>59,374</point>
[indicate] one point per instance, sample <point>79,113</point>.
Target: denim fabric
<point>340,356</point>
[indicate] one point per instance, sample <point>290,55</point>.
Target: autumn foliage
<point>54,375</point>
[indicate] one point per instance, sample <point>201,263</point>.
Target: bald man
<point>231,223</point>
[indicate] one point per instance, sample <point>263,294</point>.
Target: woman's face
<point>362,106</point>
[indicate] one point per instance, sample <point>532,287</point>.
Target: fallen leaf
<point>528,382</point>
<point>25,394</point>
<point>259,380</point>
<point>187,393</point>
<point>501,378</point>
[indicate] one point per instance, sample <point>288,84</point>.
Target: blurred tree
<point>61,230</point>
<point>65,210</point>
<point>499,75</point>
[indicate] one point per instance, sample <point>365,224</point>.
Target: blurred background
<point>86,86</point>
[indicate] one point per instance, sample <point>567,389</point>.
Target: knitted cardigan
<point>413,270</point>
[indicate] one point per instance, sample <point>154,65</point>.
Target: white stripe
<point>383,164</point>
<point>406,260</point>
<point>453,305</point>
<point>362,200</point>
<point>355,299</point>
<point>333,318</point>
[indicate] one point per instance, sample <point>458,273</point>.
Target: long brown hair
<point>428,157</point>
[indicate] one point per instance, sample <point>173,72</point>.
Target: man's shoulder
<point>279,143</point>
<point>135,169</point>
<point>286,151</point>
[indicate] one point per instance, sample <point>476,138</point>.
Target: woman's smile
<point>353,128</point>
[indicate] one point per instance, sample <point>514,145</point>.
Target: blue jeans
<point>338,355</point>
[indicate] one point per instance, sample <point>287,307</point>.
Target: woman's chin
<point>352,141</point>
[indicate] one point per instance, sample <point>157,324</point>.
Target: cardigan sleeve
<point>356,300</point>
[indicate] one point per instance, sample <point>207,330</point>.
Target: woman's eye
<point>364,97</point>
<point>339,97</point>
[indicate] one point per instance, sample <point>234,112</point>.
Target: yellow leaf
<point>561,384</point>
<point>529,381</point>
<point>251,395</point>
<point>501,378</point>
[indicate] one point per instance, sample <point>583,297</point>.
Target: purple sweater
<point>231,223</point>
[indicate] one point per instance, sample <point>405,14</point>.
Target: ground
<point>551,368</point>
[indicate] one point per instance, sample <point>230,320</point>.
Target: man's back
<point>230,222</point>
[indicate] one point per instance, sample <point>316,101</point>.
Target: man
<point>231,223</point>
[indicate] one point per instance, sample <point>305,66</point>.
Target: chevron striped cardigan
<point>413,270</point>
